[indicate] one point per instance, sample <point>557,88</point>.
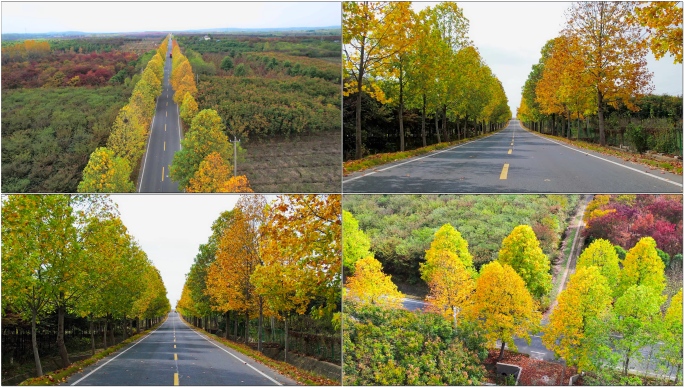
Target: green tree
<point>227,63</point>
<point>204,137</point>
<point>642,266</point>
<point>356,243</point>
<point>447,238</point>
<point>520,249</point>
<point>671,350</point>
<point>586,298</point>
<point>106,172</point>
<point>601,253</point>
<point>241,70</point>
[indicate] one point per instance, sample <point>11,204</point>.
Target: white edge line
<point>247,364</point>
<point>606,160</point>
<point>142,176</point>
<point>419,158</point>
<point>136,343</point>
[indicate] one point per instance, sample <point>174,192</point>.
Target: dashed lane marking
<point>510,151</point>
<point>504,172</point>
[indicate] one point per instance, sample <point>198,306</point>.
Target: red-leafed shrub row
<point>625,219</point>
<point>69,69</point>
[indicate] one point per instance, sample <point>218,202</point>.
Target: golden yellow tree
<point>642,266</point>
<point>614,53</point>
<point>502,306</point>
<point>587,297</point>
<point>447,238</point>
<point>520,249</point>
<point>663,20</point>
<point>602,255</point>
<point>451,285</point>
<point>370,286</point>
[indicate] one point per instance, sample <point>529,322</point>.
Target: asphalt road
<point>513,160</point>
<point>174,354</point>
<point>164,140</point>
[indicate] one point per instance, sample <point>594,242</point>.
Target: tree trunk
<point>92,337</point>
<point>61,311</point>
<point>439,138</point>
<point>137,325</point>
<point>286,346</point>
<point>34,344</point>
<point>125,327</point>
<point>402,145</point>
<point>501,353</point>
<point>104,335</point>
<point>455,314</point>
<point>359,88</point>
<point>422,127</point>
<point>602,132</point>
<point>261,323</point>
<point>225,335</point>
<point>447,138</point>
<point>246,327</point>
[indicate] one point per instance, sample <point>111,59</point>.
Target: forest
<point>60,105</point>
<point>271,279</point>
<point>593,323</point>
<point>592,82</point>
<point>405,71</point>
<point>279,96</point>
<point>70,271</point>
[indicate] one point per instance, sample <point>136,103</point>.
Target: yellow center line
<point>167,103</point>
<point>165,145</point>
<point>504,172</point>
<point>175,379</point>
<point>174,345</point>
<point>509,151</point>
<point>165,127</point>
<point>175,356</point>
<point>167,113</point>
<point>162,173</point>
<point>511,143</point>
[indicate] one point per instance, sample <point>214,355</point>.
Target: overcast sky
<point>510,36</point>
<point>166,16</point>
<point>170,228</point>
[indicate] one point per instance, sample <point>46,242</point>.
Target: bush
<point>638,137</point>
<point>227,64</point>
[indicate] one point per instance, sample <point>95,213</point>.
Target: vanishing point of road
<point>513,160</point>
<point>164,140</point>
<point>175,354</point>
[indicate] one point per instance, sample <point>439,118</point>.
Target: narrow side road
<point>175,354</point>
<point>164,140</point>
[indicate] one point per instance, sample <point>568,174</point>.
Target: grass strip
<point>668,166</point>
<point>60,376</point>
<point>384,158</point>
<point>301,376</point>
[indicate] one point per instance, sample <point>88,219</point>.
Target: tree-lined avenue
<point>174,354</point>
<point>164,140</point>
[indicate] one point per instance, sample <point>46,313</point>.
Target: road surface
<point>513,160</point>
<point>174,354</point>
<point>164,140</point>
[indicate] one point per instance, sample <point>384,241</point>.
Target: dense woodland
<point>592,81</point>
<point>269,275</point>
<point>70,257</point>
<point>618,304</point>
<point>406,71</point>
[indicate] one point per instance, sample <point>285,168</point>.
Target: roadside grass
<point>303,164</point>
<point>301,376</point>
<point>60,376</point>
<point>384,158</point>
<point>668,166</point>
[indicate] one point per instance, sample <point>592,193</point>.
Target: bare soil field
<point>304,164</point>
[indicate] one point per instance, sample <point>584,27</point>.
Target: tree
<point>642,266</point>
<point>447,238</point>
<point>637,313</point>
<point>128,136</point>
<point>227,63</point>
<point>356,242</point>
<point>188,109</point>
<point>370,39</point>
<point>587,297</point>
<point>601,253</point>
<point>370,286</point>
<point>106,172</point>
<point>451,285</point>
<point>213,171</point>
<point>672,334</point>
<point>503,306</point>
<point>614,53</point>
<point>204,137</point>
<point>241,70</point>
<point>663,21</point>
<point>520,249</point>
